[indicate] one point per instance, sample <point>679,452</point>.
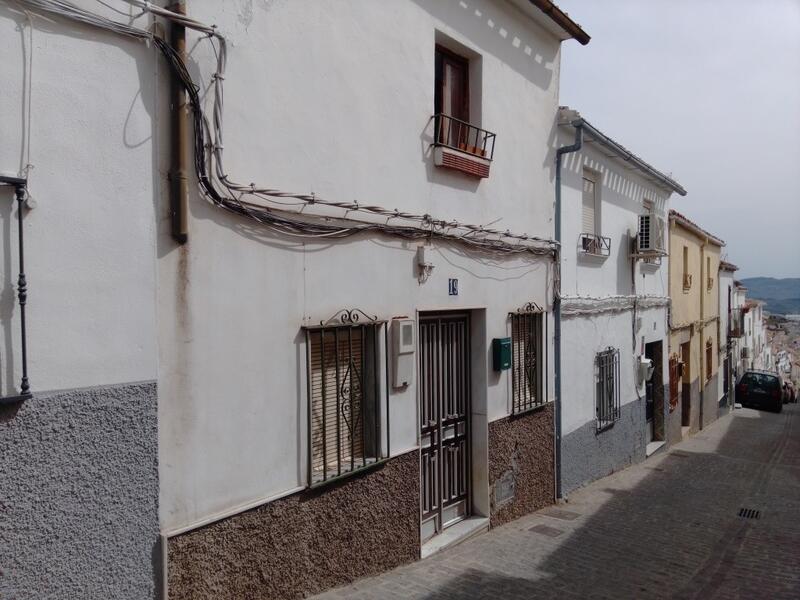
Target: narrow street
<point>666,528</point>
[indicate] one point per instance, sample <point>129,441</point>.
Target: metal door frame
<point>437,515</point>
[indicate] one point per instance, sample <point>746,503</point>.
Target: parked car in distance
<point>760,389</point>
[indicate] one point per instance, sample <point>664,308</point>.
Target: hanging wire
<point>218,188</point>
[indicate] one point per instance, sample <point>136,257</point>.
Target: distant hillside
<point>781,295</point>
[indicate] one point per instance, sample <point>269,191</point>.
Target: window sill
<point>337,478</point>
<point>592,256</point>
<point>602,426</point>
<point>533,409</point>
<point>458,160</point>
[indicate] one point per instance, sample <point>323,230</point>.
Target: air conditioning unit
<point>651,234</point>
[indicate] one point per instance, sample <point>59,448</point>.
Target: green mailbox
<point>501,353</point>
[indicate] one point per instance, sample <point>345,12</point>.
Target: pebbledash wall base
<point>589,455</point>
<point>521,464</point>
<point>79,483</point>
<point>304,543</point>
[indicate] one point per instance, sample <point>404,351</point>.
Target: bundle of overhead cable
<point>265,205</point>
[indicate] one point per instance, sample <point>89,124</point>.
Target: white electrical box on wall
<point>402,352</point>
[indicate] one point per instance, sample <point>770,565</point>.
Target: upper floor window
<point>687,277</point>
<point>451,95</point>
<point>710,277</point>
<point>461,144</point>
<point>592,242</point>
<point>590,213</point>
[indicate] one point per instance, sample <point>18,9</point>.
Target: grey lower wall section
<point>79,495</point>
<point>588,455</point>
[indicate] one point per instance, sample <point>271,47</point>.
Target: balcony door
<point>451,98</point>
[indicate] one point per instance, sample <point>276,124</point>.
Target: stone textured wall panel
<point>304,543</point>
<point>521,450</point>
<point>79,495</point>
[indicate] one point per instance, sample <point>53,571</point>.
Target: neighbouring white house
<point>756,353</point>
<point>615,301</point>
<point>731,328</point>
<point>337,365</point>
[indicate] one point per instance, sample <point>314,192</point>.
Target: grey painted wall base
<point>79,495</point>
<point>588,455</point>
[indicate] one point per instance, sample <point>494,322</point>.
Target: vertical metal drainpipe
<point>578,124</point>
<point>179,147</point>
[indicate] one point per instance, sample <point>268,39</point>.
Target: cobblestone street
<point>666,528</point>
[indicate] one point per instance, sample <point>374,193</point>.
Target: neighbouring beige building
<point>694,325</point>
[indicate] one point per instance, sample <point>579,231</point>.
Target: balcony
<point>687,282</point>
<point>595,245</point>
<point>736,323</point>
<point>461,146</point>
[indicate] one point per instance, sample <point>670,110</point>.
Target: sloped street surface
<point>667,528</point>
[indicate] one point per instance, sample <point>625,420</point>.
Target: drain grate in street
<point>749,513</point>
<point>550,532</point>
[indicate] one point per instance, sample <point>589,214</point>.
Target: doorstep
<point>654,447</point>
<point>455,534</point>
<point>685,432</point>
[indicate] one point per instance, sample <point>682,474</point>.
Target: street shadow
<point>668,529</point>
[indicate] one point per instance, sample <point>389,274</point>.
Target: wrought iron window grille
<point>462,136</point>
<point>347,390</point>
<point>608,388</point>
<point>20,186</point>
<point>595,245</point>
<point>528,359</point>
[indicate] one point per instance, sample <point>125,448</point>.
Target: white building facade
<point>731,328</point>
<point>614,290</point>
<point>297,389</point>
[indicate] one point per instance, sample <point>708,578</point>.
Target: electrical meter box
<point>402,352</point>
<point>501,353</point>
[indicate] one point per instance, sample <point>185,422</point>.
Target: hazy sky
<point>708,90</point>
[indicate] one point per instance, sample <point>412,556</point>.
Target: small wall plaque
<point>452,286</point>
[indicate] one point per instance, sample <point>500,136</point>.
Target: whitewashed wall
<point>81,107</point>
<point>622,192</point>
<point>583,338</point>
<point>336,98</point>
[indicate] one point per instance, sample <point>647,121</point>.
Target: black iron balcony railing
<point>736,323</point>
<point>460,135</point>
<point>20,186</point>
<point>596,245</point>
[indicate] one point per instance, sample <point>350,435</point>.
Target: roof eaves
<point>563,20</point>
<point>694,227</point>
<point>568,116</point>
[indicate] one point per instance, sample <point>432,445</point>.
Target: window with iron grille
<point>709,357</point>
<point>526,361</point>
<point>608,392</point>
<point>344,397</point>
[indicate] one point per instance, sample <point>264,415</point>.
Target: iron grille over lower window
<point>608,406</point>
<point>526,363</point>
<point>709,358</point>
<point>344,390</point>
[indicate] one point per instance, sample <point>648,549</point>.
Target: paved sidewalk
<point>667,528</point>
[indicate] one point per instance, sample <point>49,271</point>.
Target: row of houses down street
<point>475,302</point>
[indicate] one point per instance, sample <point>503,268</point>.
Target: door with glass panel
<point>444,383</point>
